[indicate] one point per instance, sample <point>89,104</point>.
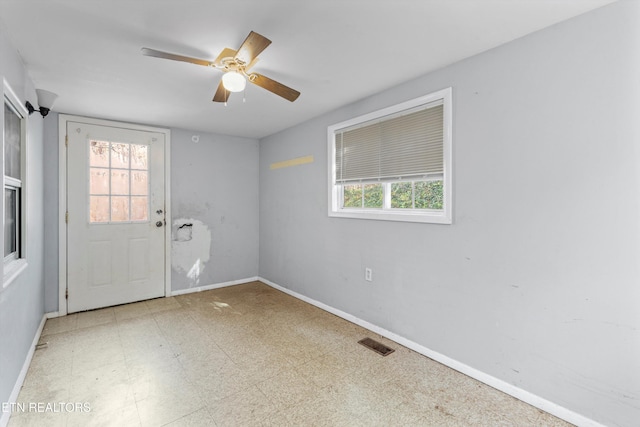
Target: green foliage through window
<point>429,195</point>
<point>404,195</point>
<point>352,196</point>
<point>373,196</point>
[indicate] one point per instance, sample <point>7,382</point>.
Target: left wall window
<point>14,145</point>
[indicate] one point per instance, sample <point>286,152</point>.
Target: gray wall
<point>536,282</point>
<point>21,303</point>
<point>213,182</point>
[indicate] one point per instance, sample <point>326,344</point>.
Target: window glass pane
<point>373,196</point>
<point>429,195</point>
<point>119,208</point>
<point>139,183</point>
<point>139,156</point>
<point>10,221</point>
<point>352,196</point>
<point>99,154</point>
<point>119,181</point>
<point>12,136</point>
<point>401,195</point>
<point>98,181</point>
<point>120,155</point>
<point>139,208</point>
<point>99,209</point>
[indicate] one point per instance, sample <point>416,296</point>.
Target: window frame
<point>16,262</point>
<point>443,216</point>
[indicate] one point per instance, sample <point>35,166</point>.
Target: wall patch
<point>292,162</point>
<point>190,247</point>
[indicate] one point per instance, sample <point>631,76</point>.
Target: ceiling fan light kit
<point>235,65</point>
<point>234,81</point>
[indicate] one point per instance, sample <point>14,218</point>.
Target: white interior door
<point>116,216</point>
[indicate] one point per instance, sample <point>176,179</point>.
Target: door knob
<point>159,224</point>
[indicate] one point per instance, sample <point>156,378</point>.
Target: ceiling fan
<point>236,65</point>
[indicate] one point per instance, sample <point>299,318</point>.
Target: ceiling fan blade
<point>275,87</point>
<point>226,53</point>
<point>222,95</point>
<point>251,47</point>
<point>166,55</point>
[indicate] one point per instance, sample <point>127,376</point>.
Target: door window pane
<point>139,183</point>
<point>139,208</point>
<point>99,154</point>
<point>99,208</point>
<point>99,181</point>
<point>119,208</point>
<point>118,182</point>
<point>139,156</point>
<point>119,155</point>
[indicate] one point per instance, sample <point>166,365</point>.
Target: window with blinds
<point>407,145</point>
<point>394,163</point>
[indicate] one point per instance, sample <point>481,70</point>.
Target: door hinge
<point>66,217</point>
<point>66,293</point>
<point>66,140</point>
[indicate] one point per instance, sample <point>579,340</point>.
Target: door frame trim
<point>63,119</point>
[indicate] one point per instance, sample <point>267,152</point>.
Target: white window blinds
<point>408,144</point>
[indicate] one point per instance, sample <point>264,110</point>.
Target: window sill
<point>12,270</point>
<point>375,214</point>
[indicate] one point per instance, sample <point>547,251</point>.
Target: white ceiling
<point>333,51</point>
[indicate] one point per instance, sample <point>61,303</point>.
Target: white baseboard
<point>523,395</point>
<point>214,286</point>
<point>53,314</point>
<point>13,398</point>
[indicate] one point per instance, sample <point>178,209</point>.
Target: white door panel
<point>115,231</point>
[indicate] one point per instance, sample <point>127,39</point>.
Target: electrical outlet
<point>368,274</point>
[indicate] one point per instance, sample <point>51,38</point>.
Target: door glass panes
<point>118,182</point>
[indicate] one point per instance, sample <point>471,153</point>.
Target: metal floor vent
<point>376,346</point>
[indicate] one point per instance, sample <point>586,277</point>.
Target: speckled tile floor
<point>246,355</point>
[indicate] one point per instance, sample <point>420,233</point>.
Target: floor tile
<point>246,408</point>
<point>199,418</point>
<point>60,324</point>
<point>245,355</point>
<point>91,318</point>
